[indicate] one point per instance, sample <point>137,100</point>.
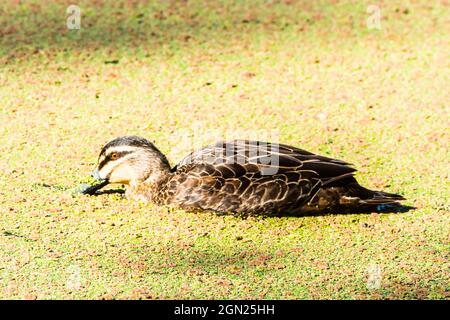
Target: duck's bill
<point>91,188</point>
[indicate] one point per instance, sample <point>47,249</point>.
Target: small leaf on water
<point>115,61</point>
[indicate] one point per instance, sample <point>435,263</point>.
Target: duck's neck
<point>148,189</point>
<point>158,175</point>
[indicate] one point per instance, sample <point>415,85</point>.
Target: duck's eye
<point>114,156</point>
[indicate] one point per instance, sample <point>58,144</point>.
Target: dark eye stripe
<point>108,158</point>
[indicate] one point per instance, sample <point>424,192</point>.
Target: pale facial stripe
<point>110,166</point>
<point>104,160</point>
<point>118,149</point>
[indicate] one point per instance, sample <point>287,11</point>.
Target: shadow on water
<point>386,208</point>
<point>368,209</point>
<point>109,191</point>
<point>77,190</point>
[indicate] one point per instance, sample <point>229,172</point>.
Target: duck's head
<point>130,160</point>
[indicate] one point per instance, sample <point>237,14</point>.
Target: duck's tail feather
<point>365,196</point>
<point>347,193</point>
<point>381,197</point>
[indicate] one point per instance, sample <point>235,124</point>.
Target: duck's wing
<point>270,159</point>
<point>252,176</point>
<point>237,188</point>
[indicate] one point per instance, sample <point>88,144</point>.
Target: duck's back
<point>258,177</point>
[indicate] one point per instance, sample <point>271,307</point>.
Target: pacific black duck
<point>237,176</point>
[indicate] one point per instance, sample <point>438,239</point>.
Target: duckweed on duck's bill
<point>90,186</point>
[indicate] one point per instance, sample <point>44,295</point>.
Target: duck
<point>238,176</point>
